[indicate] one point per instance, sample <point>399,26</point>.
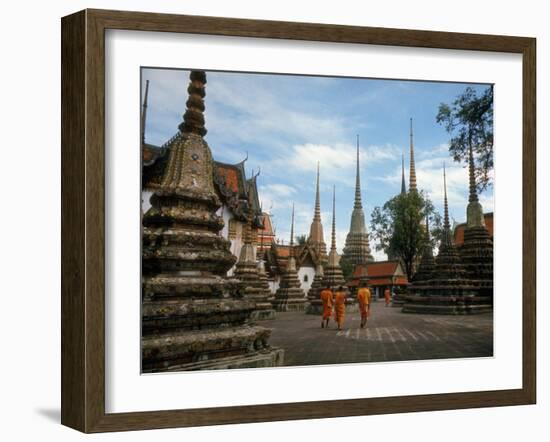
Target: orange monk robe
<point>363,298</point>
<point>326,297</point>
<point>387,296</point>
<point>340,307</point>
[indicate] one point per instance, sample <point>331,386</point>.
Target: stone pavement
<point>389,336</point>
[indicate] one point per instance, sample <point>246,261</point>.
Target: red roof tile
<point>230,177</point>
<point>377,269</point>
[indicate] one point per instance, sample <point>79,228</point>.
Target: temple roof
<point>278,255</point>
<point>380,273</point>
<point>252,191</point>
<point>267,228</point>
<point>380,268</point>
<point>151,153</point>
<point>232,176</point>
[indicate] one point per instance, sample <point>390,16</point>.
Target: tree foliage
<point>347,268</point>
<point>301,240</point>
<point>469,122</point>
<point>398,228</point>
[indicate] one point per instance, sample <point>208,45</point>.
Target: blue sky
<point>287,123</point>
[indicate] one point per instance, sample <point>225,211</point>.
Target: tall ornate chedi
<point>420,284</point>
<point>412,167</point>
<point>333,276</point>
<point>192,316</point>
<point>264,281</point>
<point>357,248</point>
<point>477,250</point>
<point>315,306</point>
<point>316,238</point>
<point>290,296</point>
<point>448,291</point>
<point>246,271</point>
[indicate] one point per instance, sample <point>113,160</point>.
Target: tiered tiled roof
<point>380,273</point>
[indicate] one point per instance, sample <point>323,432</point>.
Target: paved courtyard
<point>389,336</point>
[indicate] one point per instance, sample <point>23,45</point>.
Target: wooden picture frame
<point>83,215</point>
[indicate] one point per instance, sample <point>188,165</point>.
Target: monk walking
<point>326,298</point>
<point>340,306</point>
<point>363,298</point>
<point>387,296</point>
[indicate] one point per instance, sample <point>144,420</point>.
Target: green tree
<point>398,228</point>
<point>347,268</point>
<point>469,122</point>
<point>301,240</point>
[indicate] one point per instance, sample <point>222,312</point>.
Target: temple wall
<point>274,284</point>
<point>310,273</point>
<point>232,230</point>
<point>145,204</point>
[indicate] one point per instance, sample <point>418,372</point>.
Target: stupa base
<point>192,350</point>
<point>434,309</point>
<point>479,305</point>
<point>398,301</point>
<point>290,305</point>
<point>273,357</point>
<point>314,308</point>
<point>263,314</point>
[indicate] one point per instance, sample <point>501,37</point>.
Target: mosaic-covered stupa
<point>192,315</point>
<point>477,250</point>
<point>449,290</point>
<point>246,271</point>
<point>315,305</point>
<point>316,238</point>
<point>290,296</point>
<point>333,276</point>
<point>420,284</point>
<point>357,248</point>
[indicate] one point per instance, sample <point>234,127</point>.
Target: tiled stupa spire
<point>289,295</point>
<point>425,270</point>
<point>412,170</point>
<point>477,250</point>
<point>316,237</point>
<point>315,305</point>
<point>333,275</point>
<point>192,315</point>
<point>246,271</point>
<point>357,248</point>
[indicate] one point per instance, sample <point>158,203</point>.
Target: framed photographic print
<point>267,221</point>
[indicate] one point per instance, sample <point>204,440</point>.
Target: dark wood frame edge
<point>83,234</point>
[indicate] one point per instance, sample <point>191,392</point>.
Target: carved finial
<point>193,119</point>
<point>357,203</point>
<point>317,214</point>
<point>473,190</point>
<point>412,173</point>
<point>474,211</point>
